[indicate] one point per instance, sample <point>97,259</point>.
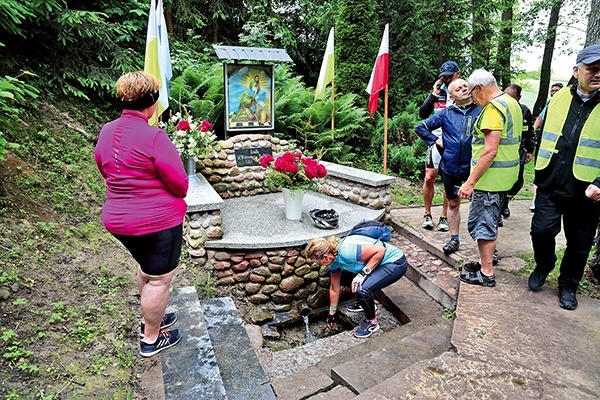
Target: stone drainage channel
<point>287,344</point>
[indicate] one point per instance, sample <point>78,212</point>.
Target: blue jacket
<point>457,132</point>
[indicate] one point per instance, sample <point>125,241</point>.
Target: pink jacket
<point>145,178</point>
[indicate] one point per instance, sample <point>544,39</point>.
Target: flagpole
<point>332,109</point>
<point>385,128</point>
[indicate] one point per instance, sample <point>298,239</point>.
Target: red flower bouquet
<point>190,138</point>
<point>292,170</point>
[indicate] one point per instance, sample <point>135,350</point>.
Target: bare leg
<point>428,188</point>
<point>445,206</point>
<point>454,215</point>
<point>486,251</point>
<point>154,292</point>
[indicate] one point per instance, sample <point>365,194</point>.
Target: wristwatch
<point>366,270</point>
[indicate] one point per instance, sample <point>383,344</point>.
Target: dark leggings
<point>157,253</point>
<point>382,276</point>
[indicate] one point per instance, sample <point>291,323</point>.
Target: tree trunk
<point>504,44</point>
<point>547,59</point>
<point>482,35</point>
<point>593,28</point>
<point>593,37</point>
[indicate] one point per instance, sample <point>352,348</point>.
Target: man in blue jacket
<point>457,122</point>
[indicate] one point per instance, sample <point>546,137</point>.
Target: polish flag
<point>379,76</point>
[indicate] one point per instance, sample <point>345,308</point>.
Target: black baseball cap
<point>449,68</point>
<point>589,55</point>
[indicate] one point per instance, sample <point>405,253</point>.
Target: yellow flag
<point>158,60</point>
<point>327,69</point>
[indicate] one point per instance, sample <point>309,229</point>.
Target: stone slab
<point>190,368</point>
<point>302,385</point>
<point>337,393</point>
<point>380,364</point>
<point>241,372</point>
<point>367,178</point>
<point>265,226</point>
<point>201,196</point>
<point>510,344</point>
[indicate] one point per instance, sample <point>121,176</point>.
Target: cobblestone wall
<point>276,278</point>
<point>355,192</point>
<point>227,178</point>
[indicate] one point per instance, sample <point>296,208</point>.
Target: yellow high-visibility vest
<point>586,166</point>
<point>504,171</point>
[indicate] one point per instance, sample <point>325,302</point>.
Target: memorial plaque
<point>249,157</point>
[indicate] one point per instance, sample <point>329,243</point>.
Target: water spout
<point>303,309</point>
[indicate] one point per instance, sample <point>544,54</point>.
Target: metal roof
<point>251,53</point>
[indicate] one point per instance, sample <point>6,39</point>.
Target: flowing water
<point>310,337</point>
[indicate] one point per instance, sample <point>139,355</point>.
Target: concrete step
<point>190,369</point>
<point>241,372</point>
<point>379,357</point>
<point>430,268</point>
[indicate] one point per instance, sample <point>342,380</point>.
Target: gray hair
<point>482,77</point>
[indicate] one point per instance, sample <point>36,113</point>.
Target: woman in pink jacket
<point>146,185</point>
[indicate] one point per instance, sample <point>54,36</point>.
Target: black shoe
<point>500,223</point>
<point>477,278</point>
<point>168,320</point>
<point>165,340</point>
<point>536,280</point>
<point>472,267</point>
<point>451,246</point>
<point>505,212</point>
<point>567,299</point>
<point>495,258</point>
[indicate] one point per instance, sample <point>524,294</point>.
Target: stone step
<point>241,372</point>
<point>190,369</point>
<point>382,355</point>
<point>428,337</point>
<point>430,268</point>
<point>374,367</point>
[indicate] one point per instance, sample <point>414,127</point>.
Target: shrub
<point>407,161</point>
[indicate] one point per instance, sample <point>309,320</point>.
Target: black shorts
<point>452,183</point>
<point>157,253</point>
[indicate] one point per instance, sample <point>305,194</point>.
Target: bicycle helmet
<point>325,219</point>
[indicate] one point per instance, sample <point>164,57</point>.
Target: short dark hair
<point>514,87</point>
<point>557,84</point>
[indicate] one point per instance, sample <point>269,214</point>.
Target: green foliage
<point>357,40</point>
<point>14,93</point>
<point>406,162</point>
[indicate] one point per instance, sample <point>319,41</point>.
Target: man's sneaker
<point>168,320</point>
<point>505,212</point>
<point>443,225</point>
<point>427,221</point>
<point>477,278</point>
<point>532,206</point>
<point>495,257</point>
<point>355,307</point>
<point>536,280</point>
<point>166,339</point>
<point>451,246</point>
<point>567,299</point>
<point>366,329</point>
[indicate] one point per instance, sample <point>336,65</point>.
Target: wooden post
<point>385,127</point>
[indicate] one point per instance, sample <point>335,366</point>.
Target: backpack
<point>373,229</point>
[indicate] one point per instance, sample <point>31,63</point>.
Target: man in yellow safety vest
<point>494,170</point>
<point>567,175</point>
